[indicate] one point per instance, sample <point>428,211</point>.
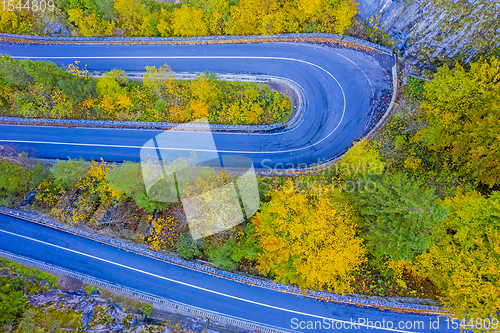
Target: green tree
<point>221,255</point>
<point>37,174</point>
<point>15,179</point>
<point>462,108</point>
<point>68,173</point>
<point>399,214</point>
<point>13,74</point>
<point>248,246</point>
<point>12,300</point>
<point>78,89</point>
<point>144,202</point>
<point>464,260</point>
<point>28,323</point>
<point>188,248</point>
<point>127,180</point>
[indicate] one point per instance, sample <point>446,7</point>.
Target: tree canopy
<point>309,238</point>
<point>68,173</point>
<point>399,214</point>
<point>463,110</point>
<point>464,260</point>
<point>202,18</point>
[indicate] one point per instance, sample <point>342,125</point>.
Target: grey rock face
<point>55,29</point>
<point>86,305</point>
<point>429,31</point>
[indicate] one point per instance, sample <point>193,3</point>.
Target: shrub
<point>187,247</point>
<point>68,173</point>
<point>221,255</point>
<point>12,298</point>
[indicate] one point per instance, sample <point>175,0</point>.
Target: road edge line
<point>253,281</point>
<point>157,302</point>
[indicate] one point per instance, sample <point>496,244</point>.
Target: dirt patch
<point>67,283</point>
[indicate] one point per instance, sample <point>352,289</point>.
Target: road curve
<point>342,88</point>
<point>255,304</point>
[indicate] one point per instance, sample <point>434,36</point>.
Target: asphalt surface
<point>342,87</point>
<point>195,288</point>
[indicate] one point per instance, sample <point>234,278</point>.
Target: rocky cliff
<point>431,31</point>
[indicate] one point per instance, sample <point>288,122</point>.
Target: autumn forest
<point>412,212</point>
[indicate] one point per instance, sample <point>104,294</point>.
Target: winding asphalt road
<point>255,304</point>
<point>342,87</point>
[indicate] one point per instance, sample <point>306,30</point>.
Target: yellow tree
<point>61,107</point>
<point>161,234</point>
<point>309,238</point>
<point>199,108</point>
<point>90,25</point>
<point>157,79</point>
<point>188,21</point>
<point>308,10</point>
<point>253,115</point>
<point>149,26</point>
<point>215,12</point>
<point>329,16</point>
<point>246,17</point>
<point>343,16</point>
<point>462,108</point>
<point>18,21</point>
<point>361,158</point>
<point>113,94</point>
<point>132,15</point>
<point>251,17</point>
<point>205,89</point>
<point>164,23</point>
<point>8,20</point>
<point>180,115</point>
<point>279,20</point>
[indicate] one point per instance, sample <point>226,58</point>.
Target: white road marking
<point>200,57</point>
<point>197,287</point>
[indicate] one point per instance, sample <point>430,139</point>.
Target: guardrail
<point>315,169</point>
<point>263,283</point>
<point>391,106</point>
<point>156,301</point>
<point>289,123</point>
<point>202,39</point>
